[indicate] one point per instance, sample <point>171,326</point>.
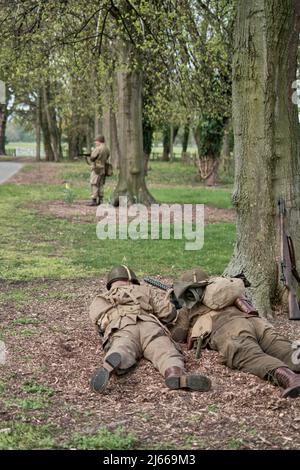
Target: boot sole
<point>293,392</point>
<point>101,376</point>
<point>114,359</point>
<point>99,380</point>
<point>189,382</point>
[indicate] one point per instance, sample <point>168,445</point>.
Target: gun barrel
<point>156,283</point>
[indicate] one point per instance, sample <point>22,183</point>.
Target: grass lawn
<point>42,246</point>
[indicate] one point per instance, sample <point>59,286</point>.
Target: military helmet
<point>119,273</point>
<point>194,275</point>
<point>100,138</point>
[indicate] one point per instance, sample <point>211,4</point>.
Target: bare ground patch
<point>58,348</point>
<point>40,172</point>
<point>81,213</point>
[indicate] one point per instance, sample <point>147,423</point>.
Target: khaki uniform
<point>99,157</point>
<point>128,317</point>
<point>244,341</point>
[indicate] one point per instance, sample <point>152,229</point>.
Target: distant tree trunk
<point>148,131</point>
<point>167,132</point>
<point>2,128</point>
<point>266,137</point>
<point>73,147</point>
<point>111,134</point>
<point>131,181</point>
<point>185,140</point>
<point>53,129</point>
<point>38,128</point>
<point>208,136</point>
<point>49,155</point>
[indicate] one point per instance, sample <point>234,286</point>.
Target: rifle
<point>86,156</point>
<point>288,269</point>
<point>165,287</point>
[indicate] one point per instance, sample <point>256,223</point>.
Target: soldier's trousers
<point>146,339</point>
<point>97,185</point>
<point>252,345</point>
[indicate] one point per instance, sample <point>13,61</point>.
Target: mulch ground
<point>241,411</point>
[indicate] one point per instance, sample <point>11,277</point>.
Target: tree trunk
<point>131,181</point>
<point>111,135</point>
<point>38,128</point>
<point>208,137</point>
<point>50,113</point>
<point>148,132</point>
<point>169,136</point>
<point>2,128</point>
<point>166,145</point>
<point>185,141</point>
<point>49,155</point>
<point>266,136</point>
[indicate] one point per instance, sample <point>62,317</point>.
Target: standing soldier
<point>98,159</point>
<point>128,319</point>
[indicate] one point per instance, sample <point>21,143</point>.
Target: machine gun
<point>288,269</point>
<point>165,287</point>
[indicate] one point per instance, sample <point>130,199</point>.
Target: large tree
<point>266,134</point>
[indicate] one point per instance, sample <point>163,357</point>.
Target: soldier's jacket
<point>216,307</point>
<point>123,305</point>
<point>99,157</point>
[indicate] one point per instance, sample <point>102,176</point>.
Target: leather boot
<point>289,381</point>
<point>100,377</point>
<point>176,377</point>
<point>93,202</point>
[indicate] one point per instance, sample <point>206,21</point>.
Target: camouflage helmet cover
<point>119,273</point>
<point>194,275</point>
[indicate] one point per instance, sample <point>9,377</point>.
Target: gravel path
<point>8,169</point>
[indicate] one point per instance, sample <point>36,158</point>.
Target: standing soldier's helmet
<point>194,275</point>
<point>121,273</point>
<point>100,138</point>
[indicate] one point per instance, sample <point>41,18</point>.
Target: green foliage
<point>28,404</point>
<point>212,408</point>
<point>69,194</point>
<point>235,443</point>
<point>105,440</point>
<point>210,133</point>
<point>35,388</point>
<point>21,436</point>
<point>2,387</point>
<point>26,321</point>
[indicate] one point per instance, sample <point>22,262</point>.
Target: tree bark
<point>266,136</point>
<point>131,181</point>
